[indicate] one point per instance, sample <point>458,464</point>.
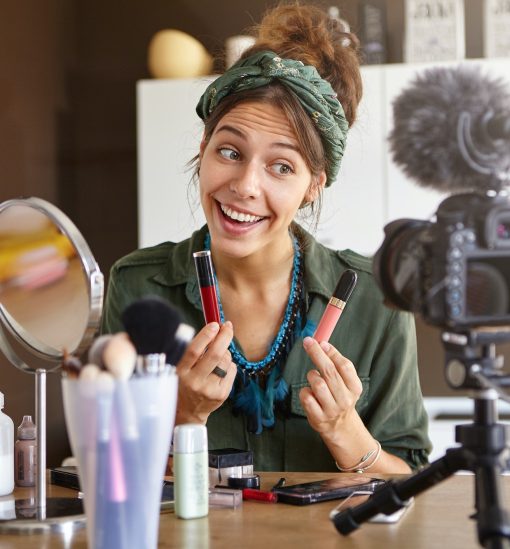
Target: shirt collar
<point>321,273</point>
<point>179,268</point>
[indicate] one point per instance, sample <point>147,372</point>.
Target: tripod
<point>470,364</point>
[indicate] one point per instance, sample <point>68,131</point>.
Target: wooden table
<point>438,518</point>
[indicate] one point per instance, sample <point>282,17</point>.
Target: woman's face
<point>253,180</point>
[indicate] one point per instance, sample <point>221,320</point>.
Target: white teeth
<point>238,216</point>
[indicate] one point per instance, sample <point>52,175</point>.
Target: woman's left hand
<point>334,389</point>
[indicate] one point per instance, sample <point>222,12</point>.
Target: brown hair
<point>308,34</point>
<point>305,33</point>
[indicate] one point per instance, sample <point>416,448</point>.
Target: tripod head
<point>471,361</point>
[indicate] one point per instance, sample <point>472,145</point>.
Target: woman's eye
<point>229,154</point>
<point>282,169</point>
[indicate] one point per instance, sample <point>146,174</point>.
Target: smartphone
<point>328,489</point>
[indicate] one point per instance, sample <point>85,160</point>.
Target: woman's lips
<point>234,226</point>
<point>238,214</point>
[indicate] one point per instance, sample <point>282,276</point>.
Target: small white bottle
<point>191,471</point>
<point>6,451</point>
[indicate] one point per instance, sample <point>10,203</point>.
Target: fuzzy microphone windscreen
<point>424,140</point>
<point>151,323</point>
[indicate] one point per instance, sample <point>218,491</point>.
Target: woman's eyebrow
<point>242,135</point>
<point>231,129</point>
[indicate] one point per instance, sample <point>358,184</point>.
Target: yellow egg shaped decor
<point>175,54</point>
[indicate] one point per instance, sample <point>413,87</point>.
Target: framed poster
<point>434,30</point>
<point>496,28</point>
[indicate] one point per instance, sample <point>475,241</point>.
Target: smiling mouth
<point>239,217</point>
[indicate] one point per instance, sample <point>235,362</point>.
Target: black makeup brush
<point>156,330</point>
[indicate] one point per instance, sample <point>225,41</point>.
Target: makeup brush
<point>71,365</point>
<point>119,358</point>
<point>89,373</point>
<point>95,354</point>
<point>110,486</point>
<point>119,355</point>
<point>151,324</point>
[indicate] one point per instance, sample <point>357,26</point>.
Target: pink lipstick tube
<point>205,275</point>
<point>335,306</point>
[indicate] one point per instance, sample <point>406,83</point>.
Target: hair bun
<point>308,34</point>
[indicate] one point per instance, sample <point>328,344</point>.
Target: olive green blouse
<point>379,341</point>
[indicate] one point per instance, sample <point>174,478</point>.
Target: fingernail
<point>325,346</point>
<point>213,327</point>
<point>228,323</point>
<point>308,342</point>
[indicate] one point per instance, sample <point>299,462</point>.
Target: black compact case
<point>230,457</point>
<point>65,476</point>
<point>225,463</point>
<point>328,489</point>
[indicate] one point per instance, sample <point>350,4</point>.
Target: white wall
<point>370,192</point>
<point>169,133</point>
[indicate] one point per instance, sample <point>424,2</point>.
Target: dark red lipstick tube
<point>335,306</point>
<point>205,275</point>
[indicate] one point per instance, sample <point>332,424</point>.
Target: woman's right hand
<point>200,390</point>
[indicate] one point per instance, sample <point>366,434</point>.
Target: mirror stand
<point>51,296</point>
<point>40,514</point>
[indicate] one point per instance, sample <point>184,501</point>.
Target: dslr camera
<point>454,272</point>
<point>452,133</point>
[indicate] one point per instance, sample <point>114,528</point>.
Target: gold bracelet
<point>360,467</point>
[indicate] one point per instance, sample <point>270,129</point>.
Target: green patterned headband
<point>315,94</point>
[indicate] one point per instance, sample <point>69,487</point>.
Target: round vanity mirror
<point>51,298</point>
<point>51,289</point>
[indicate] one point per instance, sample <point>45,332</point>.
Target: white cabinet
<point>370,191</point>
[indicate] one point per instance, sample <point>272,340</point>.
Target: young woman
<point>275,131</point>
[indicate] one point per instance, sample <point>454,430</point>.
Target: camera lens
<point>396,263</point>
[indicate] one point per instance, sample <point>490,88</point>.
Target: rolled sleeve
<point>395,414</point>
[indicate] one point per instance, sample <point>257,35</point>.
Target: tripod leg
<point>493,521</point>
<point>392,496</point>
<point>485,440</point>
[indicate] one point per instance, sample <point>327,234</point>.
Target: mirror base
<point>61,515</point>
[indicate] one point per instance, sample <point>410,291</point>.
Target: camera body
<point>454,272</point>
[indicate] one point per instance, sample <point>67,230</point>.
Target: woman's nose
<point>246,182</point>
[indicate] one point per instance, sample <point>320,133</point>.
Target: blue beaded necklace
<point>248,396</point>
